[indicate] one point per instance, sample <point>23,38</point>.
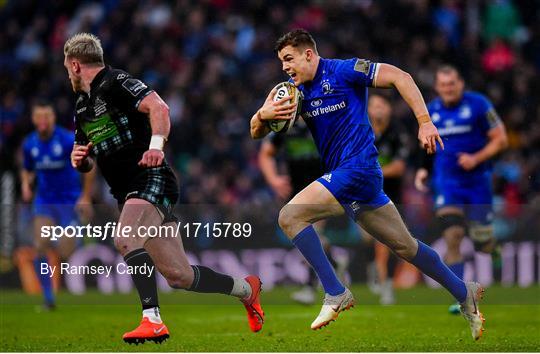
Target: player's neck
<point>88,76</point>
<point>316,62</point>
<point>47,134</point>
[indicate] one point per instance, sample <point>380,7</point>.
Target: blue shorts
<point>475,198</point>
<point>357,190</point>
<point>61,214</point>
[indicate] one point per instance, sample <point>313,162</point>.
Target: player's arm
<point>83,206</point>
<point>424,168</point>
<point>270,110</point>
<point>27,173</point>
<point>394,169</point>
<point>390,76</point>
<point>498,141</point>
<point>80,158</point>
<point>158,114</point>
<point>280,184</point>
<point>27,180</point>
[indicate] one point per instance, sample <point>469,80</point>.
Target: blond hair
<point>85,47</point>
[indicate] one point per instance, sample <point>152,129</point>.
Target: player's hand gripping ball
<point>285,89</point>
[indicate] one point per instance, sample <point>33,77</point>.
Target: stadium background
<point>213,63</point>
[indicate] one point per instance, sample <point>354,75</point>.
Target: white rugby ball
<point>285,89</point>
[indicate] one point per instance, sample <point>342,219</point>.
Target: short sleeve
<point>128,91</point>
<point>358,71</point>
<point>488,115</point>
<point>275,139</point>
<point>28,160</point>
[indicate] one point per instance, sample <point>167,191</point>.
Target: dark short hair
<point>296,38</point>
<point>40,103</point>
<point>448,69</point>
<point>385,97</point>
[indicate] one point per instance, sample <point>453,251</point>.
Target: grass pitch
<point>200,322</point>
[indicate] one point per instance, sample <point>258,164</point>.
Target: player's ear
<point>309,54</point>
<point>76,66</point>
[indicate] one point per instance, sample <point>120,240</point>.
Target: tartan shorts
<point>156,185</point>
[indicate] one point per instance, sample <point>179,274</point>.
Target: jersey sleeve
<point>128,92</point>
<point>359,72</point>
<point>488,115</point>
<point>28,161</point>
<point>275,139</point>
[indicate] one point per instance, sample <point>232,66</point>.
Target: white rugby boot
<point>332,307</point>
<point>471,311</point>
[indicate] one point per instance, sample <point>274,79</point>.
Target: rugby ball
<point>285,89</point>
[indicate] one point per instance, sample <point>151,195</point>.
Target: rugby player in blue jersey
<point>462,175</point>
<point>58,195</point>
<point>334,108</point>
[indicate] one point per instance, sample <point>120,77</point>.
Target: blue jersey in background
<point>464,128</point>
<point>57,182</point>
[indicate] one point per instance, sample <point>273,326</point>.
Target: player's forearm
<point>492,148</point>
<point>410,92</point>
<point>394,169</point>
<point>159,119</point>
<point>27,178</point>
<point>257,127</point>
<point>87,184</point>
<point>268,167</point>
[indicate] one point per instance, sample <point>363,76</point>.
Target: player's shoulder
<point>118,74</point>
<point>30,140</point>
<point>63,132</point>
<point>435,104</point>
<point>338,65</point>
<point>476,98</point>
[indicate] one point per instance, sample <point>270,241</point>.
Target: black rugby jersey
<point>392,144</point>
<point>108,117</point>
<point>301,155</point>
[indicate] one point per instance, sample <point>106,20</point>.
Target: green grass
<point>95,322</point>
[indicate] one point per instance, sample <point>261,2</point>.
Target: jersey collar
<point>99,77</point>
<point>320,69</point>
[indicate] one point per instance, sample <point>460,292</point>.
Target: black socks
<point>208,281</point>
<point>145,283</point>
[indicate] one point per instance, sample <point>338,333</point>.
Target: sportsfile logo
<point>326,109</point>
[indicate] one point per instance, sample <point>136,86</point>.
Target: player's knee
<point>124,245</point>
<point>404,249</point>
<point>287,219</point>
<point>452,226</point>
<point>178,278</point>
<point>453,236</point>
<point>482,237</point>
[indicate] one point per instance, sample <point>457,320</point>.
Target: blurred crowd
<point>213,63</point>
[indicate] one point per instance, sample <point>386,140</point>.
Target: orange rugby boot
<point>156,332</point>
<point>252,304</point>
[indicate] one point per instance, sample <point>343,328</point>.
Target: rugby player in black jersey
<point>393,145</point>
<point>122,125</point>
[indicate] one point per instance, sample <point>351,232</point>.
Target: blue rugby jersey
<point>463,128</point>
<point>335,110</point>
<point>57,181</point>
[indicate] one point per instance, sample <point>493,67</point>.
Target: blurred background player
<point>58,195</point>
<point>393,145</point>
<point>335,110</point>
<point>473,134</point>
<point>123,124</point>
<point>303,167</point>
